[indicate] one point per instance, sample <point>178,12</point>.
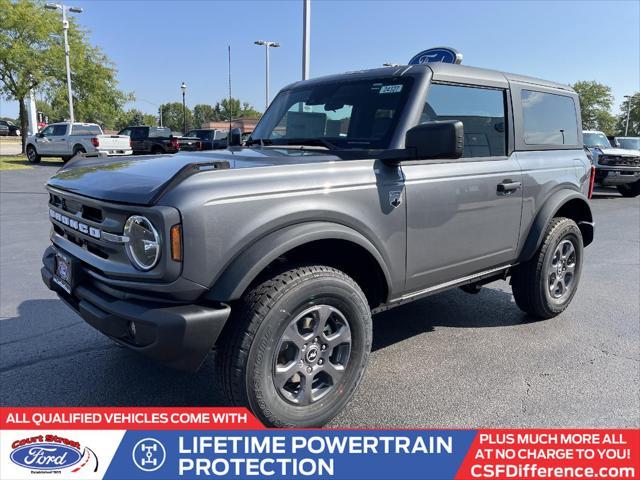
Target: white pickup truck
<point>67,139</point>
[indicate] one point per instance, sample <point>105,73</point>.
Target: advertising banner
<point>168,443</point>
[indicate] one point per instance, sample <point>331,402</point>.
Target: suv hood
<point>142,179</point>
<point>622,152</point>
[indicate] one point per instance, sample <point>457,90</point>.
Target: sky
<point>157,44</point>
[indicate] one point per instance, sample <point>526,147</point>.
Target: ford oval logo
<point>45,456</point>
<point>438,54</point>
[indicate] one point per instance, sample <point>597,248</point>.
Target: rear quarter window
<point>86,130</point>
<point>549,119</point>
<point>155,132</point>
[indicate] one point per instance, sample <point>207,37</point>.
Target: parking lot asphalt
<point>450,360</point>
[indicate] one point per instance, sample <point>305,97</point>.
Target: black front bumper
<point>611,176</point>
<point>177,335</point>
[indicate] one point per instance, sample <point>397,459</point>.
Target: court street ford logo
<point>437,55</point>
<point>46,453</point>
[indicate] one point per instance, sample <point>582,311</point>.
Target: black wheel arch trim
<point>551,207</point>
<point>248,264</point>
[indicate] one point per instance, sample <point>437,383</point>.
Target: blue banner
<point>352,454</point>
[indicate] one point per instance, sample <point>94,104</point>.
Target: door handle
<point>507,187</point>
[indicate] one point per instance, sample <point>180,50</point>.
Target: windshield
<point>629,143</point>
<point>201,134</point>
<point>357,114</point>
<point>593,140</point>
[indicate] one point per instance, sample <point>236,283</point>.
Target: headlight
<point>143,246</point>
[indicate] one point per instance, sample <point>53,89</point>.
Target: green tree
<point>249,112</point>
<point>232,108</point>
<point>634,116</point>
<point>204,113</point>
<point>32,57</point>
<point>595,104</point>
<point>172,117</point>
<point>48,112</point>
<point>26,47</point>
<point>134,117</point>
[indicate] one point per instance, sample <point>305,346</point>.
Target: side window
<point>549,119</point>
<point>137,134</point>
<point>59,130</point>
<point>481,111</point>
<point>48,131</point>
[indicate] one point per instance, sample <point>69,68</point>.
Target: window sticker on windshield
<point>391,89</point>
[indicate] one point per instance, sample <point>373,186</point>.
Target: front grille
<point>91,230</point>
<point>83,224</point>
<point>619,161</point>
<point>76,207</point>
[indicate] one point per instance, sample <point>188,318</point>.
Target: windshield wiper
<point>320,142</point>
<point>261,141</point>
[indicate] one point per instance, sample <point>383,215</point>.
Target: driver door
<point>463,215</point>
<point>43,141</point>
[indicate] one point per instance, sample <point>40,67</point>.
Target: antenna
<point>229,54</point>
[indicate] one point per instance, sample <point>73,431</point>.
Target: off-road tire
<point>630,190</point>
<point>157,151</point>
<point>32,154</point>
<point>529,280</point>
<point>247,346</point>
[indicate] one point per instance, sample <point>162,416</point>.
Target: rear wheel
<point>78,149</point>
<point>297,347</point>
<point>32,154</point>
<point>630,189</point>
<point>545,285</point>
<point>157,151</point>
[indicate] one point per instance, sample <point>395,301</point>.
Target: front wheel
<point>32,154</point>
<point>630,189</point>
<point>545,285</point>
<point>297,347</point>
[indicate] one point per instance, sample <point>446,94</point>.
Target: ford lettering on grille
<point>75,224</point>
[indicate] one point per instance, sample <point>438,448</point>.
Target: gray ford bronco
<point>354,194</point>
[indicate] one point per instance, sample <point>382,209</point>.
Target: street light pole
<point>65,28</point>
<point>184,108</point>
<point>267,44</point>
<point>306,38</point>
<point>626,128</point>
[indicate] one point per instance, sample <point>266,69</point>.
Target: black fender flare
<point>548,211</point>
<point>247,265</point>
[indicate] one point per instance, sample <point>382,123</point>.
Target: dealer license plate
<point>63,276</point>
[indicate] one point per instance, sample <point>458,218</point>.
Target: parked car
<point>155,140</point>
<point>616,167</point>
<point>4,130</point>
<point>67,139</point>
<point>204,139</point>
<point>627,143</point>
<point>14,130</point>
<point>355,194</point>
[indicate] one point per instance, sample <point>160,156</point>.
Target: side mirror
<point>40,135</point>
<point>438,139</point>
<point>235,137</point>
